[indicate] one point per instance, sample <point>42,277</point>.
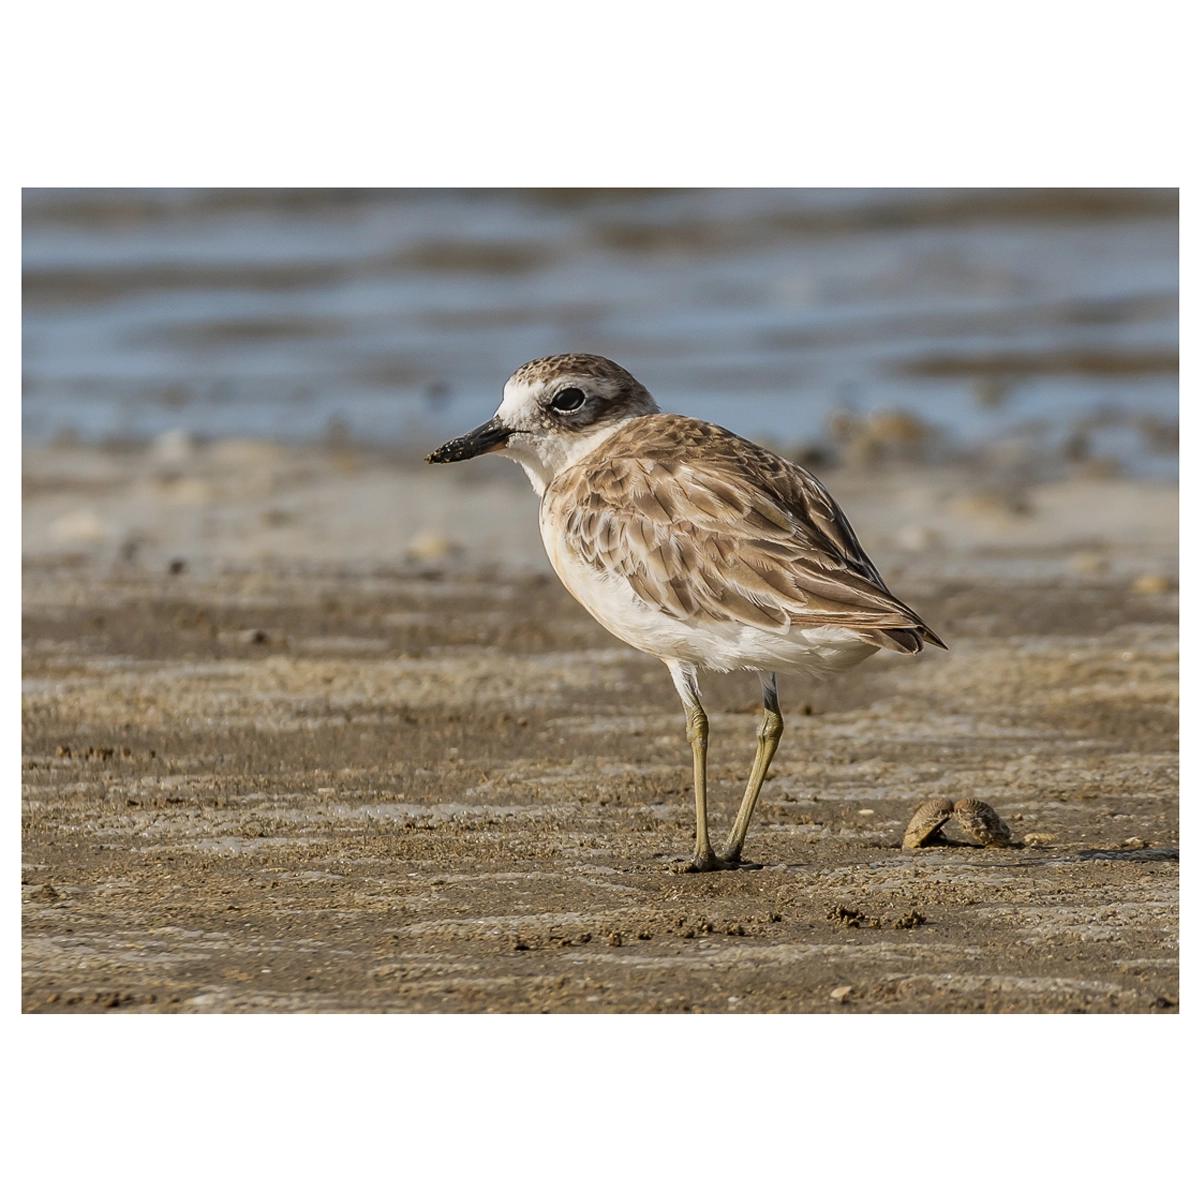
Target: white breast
<point>714,645</point>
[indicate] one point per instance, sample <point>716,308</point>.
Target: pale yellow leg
<point>697,734</point>
<point>769,733</point>
<point>684,677</point>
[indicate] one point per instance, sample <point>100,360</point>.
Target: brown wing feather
<point>709,527</point>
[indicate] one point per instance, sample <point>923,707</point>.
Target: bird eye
<point>568,400</point>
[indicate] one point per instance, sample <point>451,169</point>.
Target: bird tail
<point>906,641</point>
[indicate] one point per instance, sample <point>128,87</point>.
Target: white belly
<point>717,646</point>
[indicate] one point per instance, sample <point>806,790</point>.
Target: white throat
<point>545,458</point>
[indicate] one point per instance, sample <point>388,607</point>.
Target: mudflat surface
<point>277,785</point>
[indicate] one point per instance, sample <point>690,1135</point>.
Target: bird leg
<point>697,735</point>
<point>684,677</point>
<point>769,733</point>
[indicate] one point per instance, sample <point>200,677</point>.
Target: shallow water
<point>1023,318</point>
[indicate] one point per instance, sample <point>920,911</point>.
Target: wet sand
<point>293,743</point>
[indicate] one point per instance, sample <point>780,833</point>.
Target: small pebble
<point>431,545</point>
<point>1088,563</point>
<point>841,994</point>
<point>918,537</point>
<point>1038,839</point>
<point>1151,585</point>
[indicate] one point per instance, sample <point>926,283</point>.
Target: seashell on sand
<point>975,818</point>
<point>927,823</point>
<point>982,822</point>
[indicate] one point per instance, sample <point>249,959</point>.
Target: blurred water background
<point>1034,327</point>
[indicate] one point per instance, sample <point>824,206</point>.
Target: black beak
<point>487,437</point>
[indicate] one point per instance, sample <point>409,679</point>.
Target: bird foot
<point>704,862</point>
<point>731,860</point>
<point>712,862</point>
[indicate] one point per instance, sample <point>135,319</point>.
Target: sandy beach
<point>316,729</point>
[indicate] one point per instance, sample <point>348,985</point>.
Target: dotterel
<point>691,544</point>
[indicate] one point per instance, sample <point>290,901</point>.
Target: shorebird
<point>692,544</point>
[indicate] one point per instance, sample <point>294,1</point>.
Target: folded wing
<point>707,527</point>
